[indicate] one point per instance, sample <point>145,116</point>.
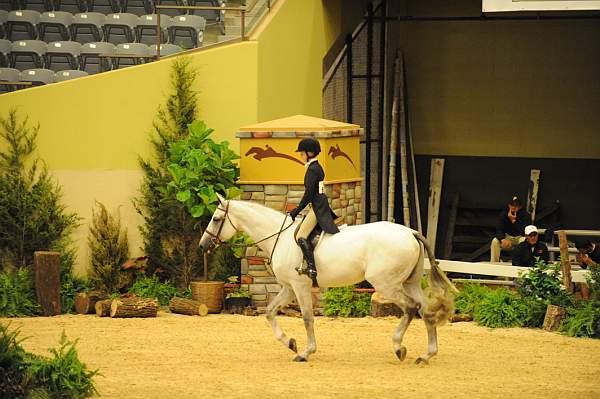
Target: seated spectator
<point>509,228</point>
<point>525,253</point>
<point>589,253</point>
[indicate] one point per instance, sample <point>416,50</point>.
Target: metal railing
<point>242,10</point>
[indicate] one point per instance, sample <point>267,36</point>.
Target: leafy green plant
<point>201,168</point>
<point>501,308</point>
<point>151,287</point>
<point>344,302</point>
<point>12,367</point>
<point>109,249</point>
<point>583,321</point>
<point>239,293</point>
<point>62,375</point>
<point>25,375</point>
<point>593,282</point>
<point>16,294</point>
<point>32,217</point>
<point>542,282</point>
<point>469,297</point>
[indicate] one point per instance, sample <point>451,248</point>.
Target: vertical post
<point>435,191</point>
<point>565,265</point>
<point>47,281</point>
<point>205,258</point>
<point>243,22</point>
<point>368,112</point>
<point>393,142</point>
<point>532,194</point>
<point>349,78</point>
<point>381,127</point>
<point>158,33</point>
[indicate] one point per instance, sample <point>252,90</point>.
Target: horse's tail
<point>440,304</point>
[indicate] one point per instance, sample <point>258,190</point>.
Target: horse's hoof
<point>299,358</point>
<point>401,353</point>
<point>421,360</point>
<point>292,345</point>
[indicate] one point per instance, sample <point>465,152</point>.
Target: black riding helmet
<point>309,145</point>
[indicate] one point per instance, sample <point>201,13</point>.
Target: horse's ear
<point>221,199</point>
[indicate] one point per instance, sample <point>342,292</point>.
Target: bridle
<point>217,242</point>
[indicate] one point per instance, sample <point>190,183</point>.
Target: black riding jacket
<point>325,216</point>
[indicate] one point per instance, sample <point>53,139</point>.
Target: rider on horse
<point>314,194</point>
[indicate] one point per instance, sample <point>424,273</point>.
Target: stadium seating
<point>32,51</point>
<point>64,50</point>
<point>38,76</point>
<point>69,74</point>
<point>57,22</point>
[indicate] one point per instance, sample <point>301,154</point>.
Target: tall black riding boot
<point>307,251</point>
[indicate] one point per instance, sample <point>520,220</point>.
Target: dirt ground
<point>231,356</point>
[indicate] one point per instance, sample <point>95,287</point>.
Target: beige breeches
<point>307,225</point>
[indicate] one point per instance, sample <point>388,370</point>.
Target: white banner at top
<point>539,5</point>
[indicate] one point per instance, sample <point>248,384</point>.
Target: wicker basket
<point>209,293</point>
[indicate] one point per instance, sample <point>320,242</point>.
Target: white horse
<point>387,255</point>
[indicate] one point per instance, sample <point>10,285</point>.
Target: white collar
<point>306,165</point>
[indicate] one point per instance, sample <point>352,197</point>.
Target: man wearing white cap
<point>525,253</point>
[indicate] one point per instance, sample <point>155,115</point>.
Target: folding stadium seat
<point>171,13</point>
<point>32,50</point>
<point>26,21</point>
<point>124,23</point>
<point>216,16</point>
<point>3,19</point>
<point>9,75</point>
<point>145,31</point>
<point>59,22</point>
<point>61,76</point>
<point>104,6</point>
<point>36,5</point>
<point>72,6</point>
<point>135,53</point>
<point>89,23</point>
<point>5,46</point>
<point>145,6</point>
<point>192,25</point>
<point>65,50</point>
<point>95,52</point>
<point>166,49</point>
<point>38,76</point>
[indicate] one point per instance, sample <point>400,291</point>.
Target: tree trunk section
<point>47,281</point>
<point>565,265</point>
<point>103,307</point>
<point>134,307</point>
<point>554,315</point>
<point>188,307</point>
<point>85,302</point>
<point>381,307</point>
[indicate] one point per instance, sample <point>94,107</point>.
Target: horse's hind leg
<point>432,346</point>
<point>304,296</point>
<point>284,297</point>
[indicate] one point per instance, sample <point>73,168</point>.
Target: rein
<point>217,242</point>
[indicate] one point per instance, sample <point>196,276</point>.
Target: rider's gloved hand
<point>293,213</point>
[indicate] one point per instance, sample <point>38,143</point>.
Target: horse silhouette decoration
<point>336,151</point>
<point>269,152</point>
<point>390,256</point>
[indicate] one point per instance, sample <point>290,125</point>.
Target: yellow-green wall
<point>93,129</point>
<point>503,88</point>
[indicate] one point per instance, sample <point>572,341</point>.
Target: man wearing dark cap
<point>509,228</point>
<point>527,252</point>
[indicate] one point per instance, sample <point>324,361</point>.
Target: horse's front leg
<point>284,297</point>
<point>304,296</point>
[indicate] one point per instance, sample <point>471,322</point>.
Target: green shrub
<point>501,308</point>
<point>344,302</point>
<point>16,294</point>
<point>543,282</point>
<point>109,249</point>
<point>32,217</point>
<point>63,375</point>
<point>70,287</point>
<point>469,297</point>
<point>583,321</point>
<point>151,287</point>
<point>593,282</point>
<point>25,375</point>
